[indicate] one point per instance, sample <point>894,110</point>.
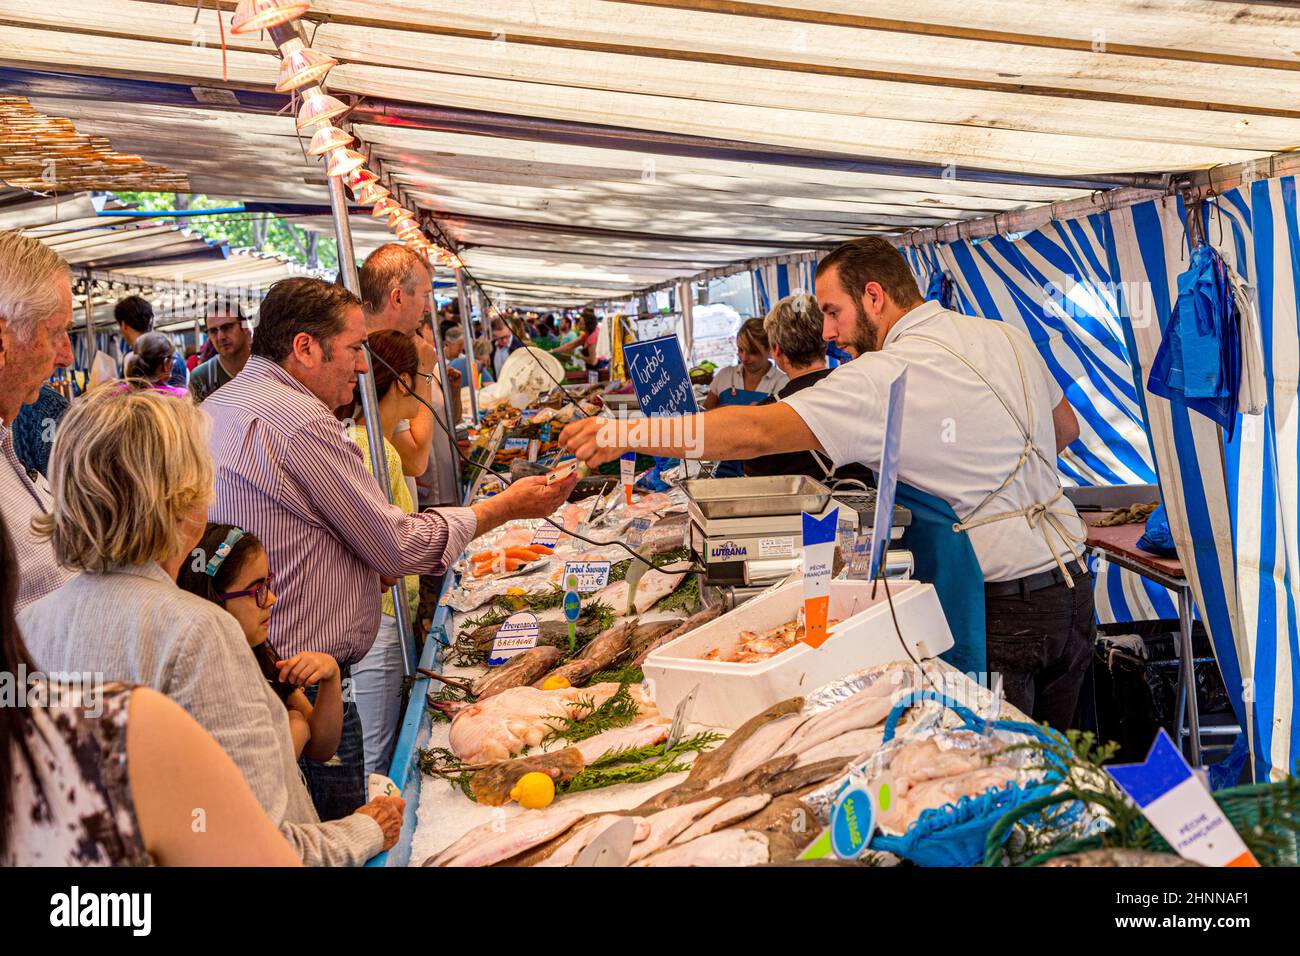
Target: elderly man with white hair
<point>35,315</point>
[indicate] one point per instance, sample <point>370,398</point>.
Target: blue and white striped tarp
<point>1236,528</point>
<point>1058,285</point>
<point>1111,280</point>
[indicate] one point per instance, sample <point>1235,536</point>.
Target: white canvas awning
<point>583,149</point>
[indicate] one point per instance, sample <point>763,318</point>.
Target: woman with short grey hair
<point>794,335</point>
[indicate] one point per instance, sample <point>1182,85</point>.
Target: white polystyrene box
<point>730,694</point>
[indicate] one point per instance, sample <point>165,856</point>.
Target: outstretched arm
<point>733,431</point>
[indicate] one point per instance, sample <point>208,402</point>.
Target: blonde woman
<point>131,480</point>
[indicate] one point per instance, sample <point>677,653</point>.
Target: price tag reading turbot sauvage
<point>586,576</point>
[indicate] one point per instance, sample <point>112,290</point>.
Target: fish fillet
<point>853,714</point>
<point>493,843</point>
<point>666,824</point>
<point>924,760</point>
<point>625,738</point>
<point>585,833</point>
<point>855,745</point>
<point>719,818</point>
<point>765,744</point>
<point>938,792</point>
<point>713,765</point>
<point>723,848</point>
<point>654,587</point>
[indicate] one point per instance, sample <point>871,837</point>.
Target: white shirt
<point>733,376</point>
<point>958,441</point>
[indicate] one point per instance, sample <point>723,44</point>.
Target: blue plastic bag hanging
<point>1198,363</point>
<point>941,288</point>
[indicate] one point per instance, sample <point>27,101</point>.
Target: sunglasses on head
<point>261,593</point>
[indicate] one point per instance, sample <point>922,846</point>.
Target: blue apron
<point>736,396</point>
<point>946,559</point>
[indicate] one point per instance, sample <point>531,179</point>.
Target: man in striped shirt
<point>287,472</point>
<point>35,314</point>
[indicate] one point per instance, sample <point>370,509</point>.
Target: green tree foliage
<point>258,232</point>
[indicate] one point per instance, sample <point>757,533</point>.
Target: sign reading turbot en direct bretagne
<point>659,375</point>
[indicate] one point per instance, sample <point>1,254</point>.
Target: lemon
<point>555,682</point>
<point>533,791</point>
<point>514,592</point>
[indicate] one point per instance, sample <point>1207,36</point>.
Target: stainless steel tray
<point>757,497</point>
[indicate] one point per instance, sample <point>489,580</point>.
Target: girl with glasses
<point>230,568</point>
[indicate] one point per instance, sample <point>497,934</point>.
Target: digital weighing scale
<point>748,532</point>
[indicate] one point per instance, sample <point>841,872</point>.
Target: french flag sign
<point>1181,809</point>
<point>818,562</point>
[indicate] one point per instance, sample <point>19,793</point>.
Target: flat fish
<point>723,816</point>
<point>642,734</point>
<point>723,848</point>
<point>714,764</point>
<point>789,816</point>
<point>523,668</point>
<point>582,836</point>
<point>853,746</point>
<point>853,714</point>
<point>666,824</point>
<point>690,624</point>
<point>491,842</point>
<point>765,744</point>
<point>776,777</point>
<point>491,786</point>
<point>653,588</point>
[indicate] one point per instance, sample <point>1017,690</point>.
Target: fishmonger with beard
<point>983,421</point>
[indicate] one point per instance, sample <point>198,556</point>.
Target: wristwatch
<point>427,376</point>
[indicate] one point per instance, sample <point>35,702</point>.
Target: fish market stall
<point>708,729</point>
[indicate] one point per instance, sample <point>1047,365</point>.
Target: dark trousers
<point>1040,642</point>
<point>338,786</point>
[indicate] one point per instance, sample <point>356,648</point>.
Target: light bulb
<point>368,194</point>
<point>327,139</point>
<point>358,178</point>
<point>344,161</point>
<point>318,107</point>
<point>253,15</point>
<point>302,65</point>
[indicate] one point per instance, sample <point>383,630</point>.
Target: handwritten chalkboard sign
<point>659,375</point>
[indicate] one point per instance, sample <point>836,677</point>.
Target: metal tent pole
<point>370,405</point>
<point>447,403</point>
<point>471,364</point>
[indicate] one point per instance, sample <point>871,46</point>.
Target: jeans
<point>338,786</point>
<point>377,689</point>
<point>1041,643</point>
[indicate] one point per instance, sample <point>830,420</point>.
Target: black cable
<point>899,631</point>
<point>510,480</point>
